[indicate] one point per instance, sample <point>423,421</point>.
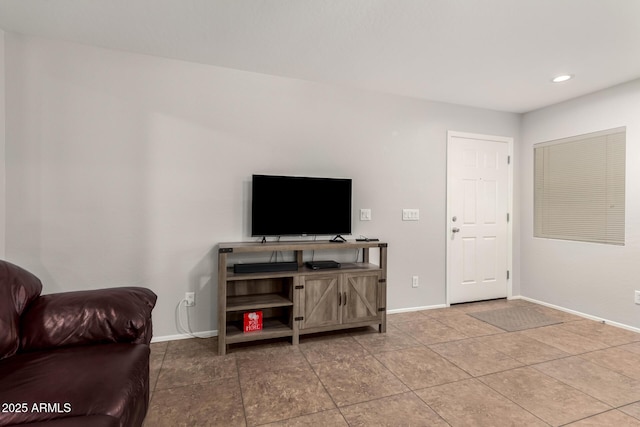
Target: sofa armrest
<point>88,317</point>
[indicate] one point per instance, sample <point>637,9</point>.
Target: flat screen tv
<point>298,206</point>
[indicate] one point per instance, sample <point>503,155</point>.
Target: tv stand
<point>338,239</point>
<point>300,302</point>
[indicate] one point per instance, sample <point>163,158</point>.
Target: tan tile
<point>430,331</point>
<point>610,335</point>
<point>282,394</point>
<point>194,345</point>
<point>354,380</point>
<point>564,340</point>
<point>633,410</point>
<point>409,316</point>
<point>159,347</point>
<point>437,313</point>
<point>250,346</point>
<point>617,359</point>
<point>183,368</point>
<point>155,364</point>
<point>402,409</point>
<point>156,357</point>
<point>475,357</point>
<point>216,403</point>
<point>560,315</point>
<point>634,347</point>
<point>522,348</point>
<point>471,403</point>
<point>469,326</point>
<point>547,398</point>
<point>371,390</point>
<point>419,367</point>
<point>331,418</point>
<point>610,418</point>
<point>317,351</point>
<point>597,381</point>
<point>393,339</point>
<point>270,358</point>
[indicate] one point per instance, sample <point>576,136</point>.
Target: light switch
<point>410,214</point>
<point>365,214</point>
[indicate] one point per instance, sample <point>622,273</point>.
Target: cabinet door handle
<point>339,299</point>
<point>344,300</point>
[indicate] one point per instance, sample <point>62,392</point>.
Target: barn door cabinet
<point>302,301</point>
<point>331,301</point>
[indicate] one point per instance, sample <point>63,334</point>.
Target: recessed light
<point>562,78</point>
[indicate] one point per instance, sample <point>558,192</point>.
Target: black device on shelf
<point>298,206</point>
<point>321,265</point>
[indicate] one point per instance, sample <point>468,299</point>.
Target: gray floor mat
<point>515,318</point>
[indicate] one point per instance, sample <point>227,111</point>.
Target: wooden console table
<point>303,301</point>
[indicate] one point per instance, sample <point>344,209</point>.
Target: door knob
<point>455,230</point>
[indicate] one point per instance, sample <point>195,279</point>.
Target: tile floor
<point>432,368</point>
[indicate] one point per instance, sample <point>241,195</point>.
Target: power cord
<point>181,328</point>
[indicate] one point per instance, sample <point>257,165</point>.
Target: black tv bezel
<point>310,232</point>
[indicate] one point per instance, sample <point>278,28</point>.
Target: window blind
<point>580,188</point>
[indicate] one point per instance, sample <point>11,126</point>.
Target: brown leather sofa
<point>74,358</point>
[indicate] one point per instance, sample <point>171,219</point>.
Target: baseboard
<point>205,334</point>
<point>214,333</point>
<point>406,310</point>
<point>578,313</point>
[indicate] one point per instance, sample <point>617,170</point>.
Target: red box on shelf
<point>253,321</point>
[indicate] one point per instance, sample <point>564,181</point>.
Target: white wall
<point>594,279</point>
<point>125,169</point>
<point>2,150</point>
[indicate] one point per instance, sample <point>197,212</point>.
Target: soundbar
<point>265,267</point>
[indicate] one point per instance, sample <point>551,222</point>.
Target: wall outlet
<point>414,281</point>
<point>637,299</point>
<point>365,214</point>
<point>190,299</point>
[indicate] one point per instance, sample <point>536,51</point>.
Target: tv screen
<point>295,206</point>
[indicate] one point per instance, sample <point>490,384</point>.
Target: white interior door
<point>478,204</point>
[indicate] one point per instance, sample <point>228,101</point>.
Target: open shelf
<point>256,302</point>
<point>271,328</point>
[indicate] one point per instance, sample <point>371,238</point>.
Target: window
<point>580,188</point>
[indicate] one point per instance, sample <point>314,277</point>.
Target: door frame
<point>509,141</point>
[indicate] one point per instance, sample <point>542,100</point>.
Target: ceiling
<point>494,54</point>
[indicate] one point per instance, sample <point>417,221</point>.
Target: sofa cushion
<point>109,379</point>
<point>88,317</point>
<point>18,288</point>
